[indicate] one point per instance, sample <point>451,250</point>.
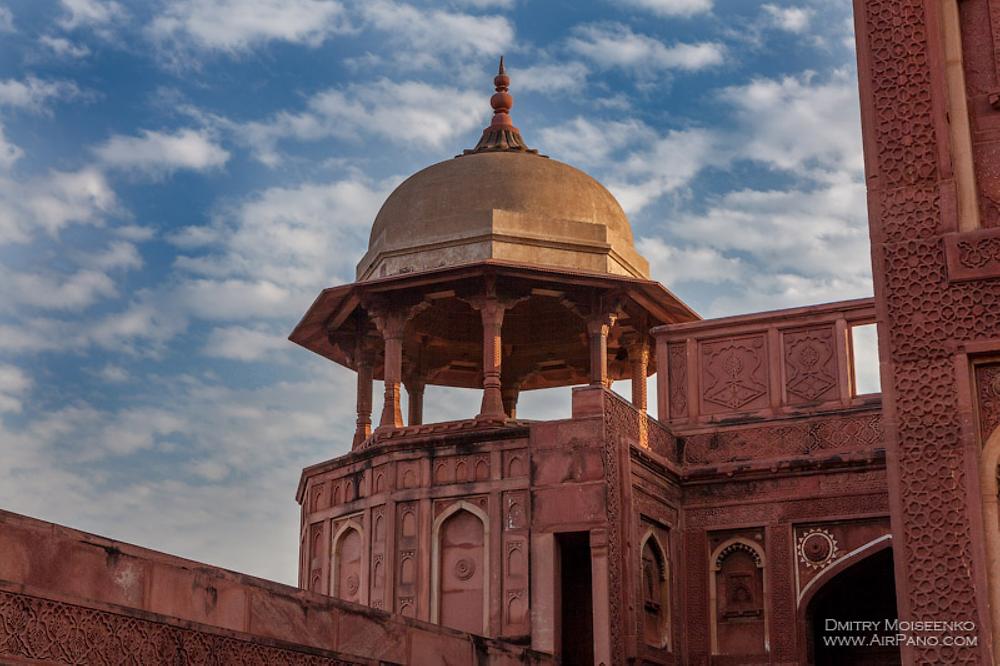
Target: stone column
<point>392,325</point>
<point>597,329</point>
<point>415,401</point>
<point>492,310</point>
<point>509,394</point>
<point>638,359</point>
<point>364,424</point>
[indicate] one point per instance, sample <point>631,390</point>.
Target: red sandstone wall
<point>937,298</point>
<point>71,597</point>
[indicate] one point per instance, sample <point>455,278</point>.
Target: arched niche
<point>347,577</point>
<point>738,596</point>
<point>460,568</point>
<point>655,572</point>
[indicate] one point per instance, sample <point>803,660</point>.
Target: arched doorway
<point>862,592</point>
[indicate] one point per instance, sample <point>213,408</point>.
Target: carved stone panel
<point>678,379</point>
<point>734,375</point>
<point>988,395</point>
<point>810,366</point>
<point>406,558</point>
<point>378,558</point>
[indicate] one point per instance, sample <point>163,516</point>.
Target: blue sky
<point>178,179</point>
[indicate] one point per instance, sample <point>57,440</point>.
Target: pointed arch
<point>438,557</point>
<point>347,570</point>
<point>841,563</point>
<point>724,550</point>
<point>989,469</point>
<point>655,589</point>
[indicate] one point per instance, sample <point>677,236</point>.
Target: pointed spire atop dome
<point>501,135</point>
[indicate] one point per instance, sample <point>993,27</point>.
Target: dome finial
<point>501,135</point>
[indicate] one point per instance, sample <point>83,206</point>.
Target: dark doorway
<point>865,592</point>
<point>576,644</point>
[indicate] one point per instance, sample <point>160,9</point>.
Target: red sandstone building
<point>767,496</point>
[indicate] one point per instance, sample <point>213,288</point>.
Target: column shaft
<point>492,312</point>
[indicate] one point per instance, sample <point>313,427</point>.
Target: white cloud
<point>663,166</point>
<point>113,373</point>
<point>9,153</point>
<point>91,13</point>
<point>486,4</point>
<point>234,26</point>
<point>6,20</point>
<point>615,45</point>
<point>14,385</point>
<point>434,115</point>
<point>272,251</point>
<point>822,231</point>
<point>791,19</point>
<point>244,343</point>
<point>118,255</point>
<point>673,265</point>
<point>438,31</point>
<point>63,47</point>
<point>551,78</point>
<point>800,121</point>
<point>227,439</point>
<point>34,94</point>
<point>46,291</point>
<point>155,154</point>
<point>51,202</point>
<point>592,142</point>
<point>673,7</point>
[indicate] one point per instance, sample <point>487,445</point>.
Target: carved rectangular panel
<point>516,613</point>
<point>515,464</point>
<point>378,558</point>
<point>810,366</point>
<point>317,552</point>
<point>407,521</point>
<point>988,396</point>
<point>677,377</point>
<point>407,474</point>
<point>461,469</point>
<point>734,375</point>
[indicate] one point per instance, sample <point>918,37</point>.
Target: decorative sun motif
<point>817,548</point>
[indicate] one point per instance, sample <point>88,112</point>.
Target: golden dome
<point>501,205</point>
<point>501,201</point>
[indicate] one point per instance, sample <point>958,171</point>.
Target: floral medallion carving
<point>817,548</point>
<point>465,568</point>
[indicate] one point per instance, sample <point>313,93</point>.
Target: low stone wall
<point>71,597</point>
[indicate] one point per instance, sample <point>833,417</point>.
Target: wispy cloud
<point>616,45</point>
<point>791,19</point>
<point>155,154</point>
<point>672,7</point>
<point>422,31</point>
<point>63,47</point>
<point>6,20</point>
<point>90,13</point>
<point>34,94</point>
<point>409,113</point>
<point>235,26</point>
